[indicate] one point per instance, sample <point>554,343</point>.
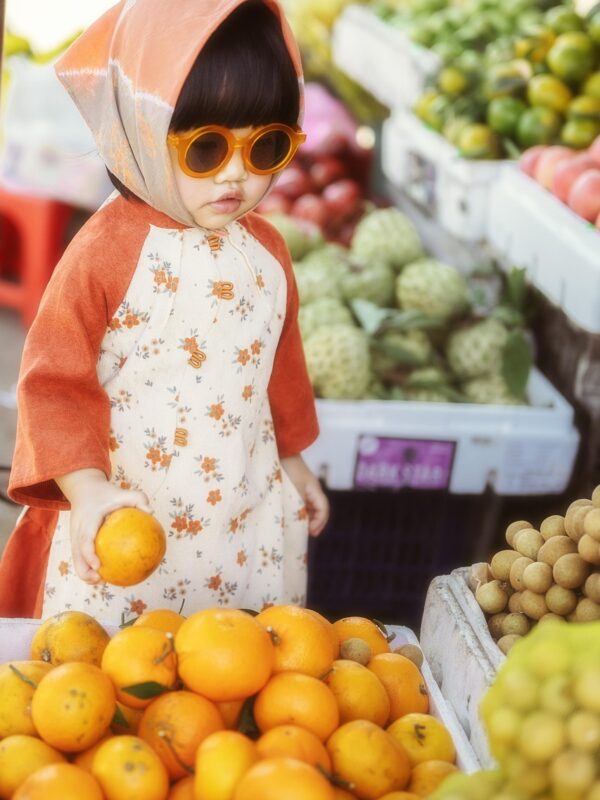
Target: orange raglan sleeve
<point>63,412</point>
<point>290,392</point>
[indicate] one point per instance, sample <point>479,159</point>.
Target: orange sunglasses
<point>205,151</point>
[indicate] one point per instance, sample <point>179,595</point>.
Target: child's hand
<point>310,489</point>
<point>92,497</point>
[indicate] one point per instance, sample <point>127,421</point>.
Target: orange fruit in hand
<point>302,642</point>
<point>59,782</point>
<point>85,759</point>
<point>365,629</point>
<point>174,724</point>
<point>368,758</point>
<point>359,693</point>
<point>277,778</point>
<point>292,698</point>
<point>127,767</point>
<point>18,681</point>
<point>294,742</point>
<point>403,682</point>
<point>69,636</point>
<point>163,619</point>
<point>139,655</point>
<point>20,757</point>
<point>231,711</point>
<point>428,775</point>
<point>224,654</point>
<point>73,706</point>
<point>424,738</point>
<point>183,789</point>
<point>221,762</point>
<point>130,545</point>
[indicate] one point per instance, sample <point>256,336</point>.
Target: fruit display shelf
<point>457,447</point>
<point>381,59</point>
<point>529,226</point>
<point>453,190</point>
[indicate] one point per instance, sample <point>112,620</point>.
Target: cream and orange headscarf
<point>125,74</point>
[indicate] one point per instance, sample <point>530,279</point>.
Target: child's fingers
<point>81,565</point>
<point>129,499</point>
<point>88,551</point>
<point>318,507</point>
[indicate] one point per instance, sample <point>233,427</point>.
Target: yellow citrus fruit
<point>294,742</point>
<point>20,757</point>
<point>126,720</point>
<point>59,782</point>
<point>222,760</point>
<point>369,759</point>
<point>277,778</point>
<point>342,794</point>
<point>428,775</point>
<point>365,629</point>
<point>161,618</point>
<point>85,759</point>
<point>231,711</point>
<point>139,655</point>
<point>400,796</point>
<point>130,545</point>
<point>69,636</point>
<point>424,738</point>
<point>73,706</point>
<point>302,642</point>
<point>359,693</point>
<point>292,698</point>
<point>175,724</point>
<point>333,637</point>
<point>403,682</point>
<point>224,654</point>
<point>183,789</point>
<point>18,681</point>
<point>127,767</point>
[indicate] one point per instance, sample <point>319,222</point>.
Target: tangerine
<point>231,711</point>
<point>294,742</point>
<point>333,637</point>
<point>183,789</point>
<point>292,698</point>
<point>365,629</point>
<point>302,642</point>
<point>163,619</point>
<point>85,759</point>
<point>428,775</point>
<point>126,720</point>
<point>20,757</point>
<point>18,682</point>
<point>359,693</point>
<point>424,738</point>
<point>222,761</point>
<point>174,725</point>
<point>275,778</point>
<point>73,706</point>
<point>224,654</point>
<point>59,782</point>
<point>130,544</point>
<point>403,682</point>
<point>69,636</point>
<point>127,767</point>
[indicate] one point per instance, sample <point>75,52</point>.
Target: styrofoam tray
<point>453,190</point>
<point>459,583</point>
<point>530,227</point>
<point>381,58</point>
<point>515,450</point>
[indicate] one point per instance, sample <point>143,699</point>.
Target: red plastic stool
<point>41,226</point>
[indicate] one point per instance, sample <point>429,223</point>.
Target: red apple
<point>275,203</point>
<point>567,172</point>
<point>529,159</point>
<point>342,198</point>
<point>294,182</point>
<point>598,222</point>
<point>594,150</point>
<point>327,170</point>
<point>584,197</point>
<point>548,161</point>
<point>311,207</point>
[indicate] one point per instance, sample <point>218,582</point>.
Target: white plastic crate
<point>464,448</point>
<point>530,227</point>
<point>381,58</point>
<point>453,190</point>
<point>459,582</point>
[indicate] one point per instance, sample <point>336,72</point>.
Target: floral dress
<point>186,361</point>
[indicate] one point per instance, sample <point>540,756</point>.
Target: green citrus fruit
<point>571,57</point>
<point>510,79</point>
<point>593,27</point>
<point>503,115</point>
<point>563,20</point>
<point>539,126</point>
<point>591,87</point>
<point>584,107</point>
<point>454,127</point>
<point>550,92</point>
<point>580,133</point>
<point>452,81</point>
<point>479,141</point>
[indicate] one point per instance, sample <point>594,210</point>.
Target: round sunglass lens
<point>206,152</point>
<point>270,149</point>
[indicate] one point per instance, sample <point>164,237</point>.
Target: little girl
<point>165,369</point>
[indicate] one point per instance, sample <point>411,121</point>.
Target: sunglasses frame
<point>183,141</point>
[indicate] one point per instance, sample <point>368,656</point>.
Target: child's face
<point>202,196</point>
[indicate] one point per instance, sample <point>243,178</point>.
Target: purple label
<point>399,463</point>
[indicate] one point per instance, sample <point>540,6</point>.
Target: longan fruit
<point>501,564</point>
<point>537,577</point>
<point>514,603</point>
<point>515,624</point>
<point>560,600</point>
<point>506,643</point>
<point>528,542</point>
<point>514,528</point>
<point>516,572</point>
<point>587,611</point>
<point>534,605</point>
<point>574,518</point>
<point>412,652</point>
<point>596,496</point>
<point>491,597</point>
<point>495,625</point>
<point>591,524</point>
<point>589,550</point>
<point>591,587</point>
<point>553,526</point>
<point>550,617</point>
<point>554,548</point>
<point>570,571</point>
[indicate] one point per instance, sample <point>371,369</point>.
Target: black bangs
<point>243,76</point>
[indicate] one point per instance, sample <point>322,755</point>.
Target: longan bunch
<point>550,573</point>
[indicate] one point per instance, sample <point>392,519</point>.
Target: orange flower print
<point>154,455</point>
<point>214,583</point>
<point>214,497</point>
<point>190,345</point>
<point>302,514</point>
<point>195,526</point>
<point>165,460</point>
<point>241,558</point>
<point>260,281</point>
<point>125,485</point>
<point>183,522</point>
<point>160,277</point>
<point>63,568</point>
<point>172,284</point>
<point>180,523</point>
<point>234,525</point>
<point>157,456</point>
<point>247,393</point>
<point>256,347</point>
<point>114,324</point>
<point>137,607</point>
<point>208,464</point>
<point>277,475</point>
<point>243,357</point>
<point>244,514</point>
<point>216,410</point>
<point>113,444</point>
<point>131,320</point>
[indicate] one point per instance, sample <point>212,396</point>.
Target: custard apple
<point>490,390</point>
<point>477,350</point>
<point>323,311</point>
<point>337,357</point>
<point>374,281</point>
<point>316,280</point>
<point>386,234</point>
<point>396,348</point>
<point>300,238</point>
<point>426,395</point>
<point>333,255</point>
<point>433,288</point>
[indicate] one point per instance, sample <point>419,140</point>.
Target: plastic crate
<point>453,190</point>
<point>530,227</point>
<point>462,448</point>
<point>380,58</point>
